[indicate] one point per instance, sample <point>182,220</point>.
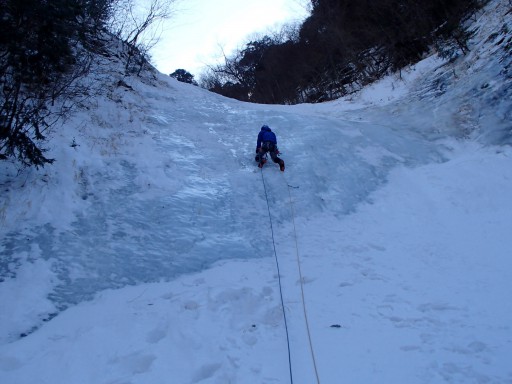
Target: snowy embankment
<point>146,253</point>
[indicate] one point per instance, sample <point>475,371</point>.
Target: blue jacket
<point>265,134</point>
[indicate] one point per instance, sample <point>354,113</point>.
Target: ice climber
<point>267,142</point>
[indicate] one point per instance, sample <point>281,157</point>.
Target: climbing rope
<point>279,278</point>
<point>301,282</point>
<point>300,277</point>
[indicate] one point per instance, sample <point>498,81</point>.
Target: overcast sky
<point>197,30</point>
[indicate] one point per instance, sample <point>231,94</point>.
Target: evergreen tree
<point>183,76</point>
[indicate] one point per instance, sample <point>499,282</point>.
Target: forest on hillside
<point>47,48</point>
<point>342,46</point>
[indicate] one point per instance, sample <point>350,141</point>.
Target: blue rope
<point>279,278</point>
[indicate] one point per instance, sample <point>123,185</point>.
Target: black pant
<point>271,148</point>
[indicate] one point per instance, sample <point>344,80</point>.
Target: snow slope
<point>154,251</point>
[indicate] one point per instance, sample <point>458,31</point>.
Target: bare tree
<point>139,26</point>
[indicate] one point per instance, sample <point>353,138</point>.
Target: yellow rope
<point>302,283</point>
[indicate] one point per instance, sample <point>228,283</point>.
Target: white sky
<point>194,35</point>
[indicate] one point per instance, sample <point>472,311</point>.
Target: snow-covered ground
<point>155,251</point>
